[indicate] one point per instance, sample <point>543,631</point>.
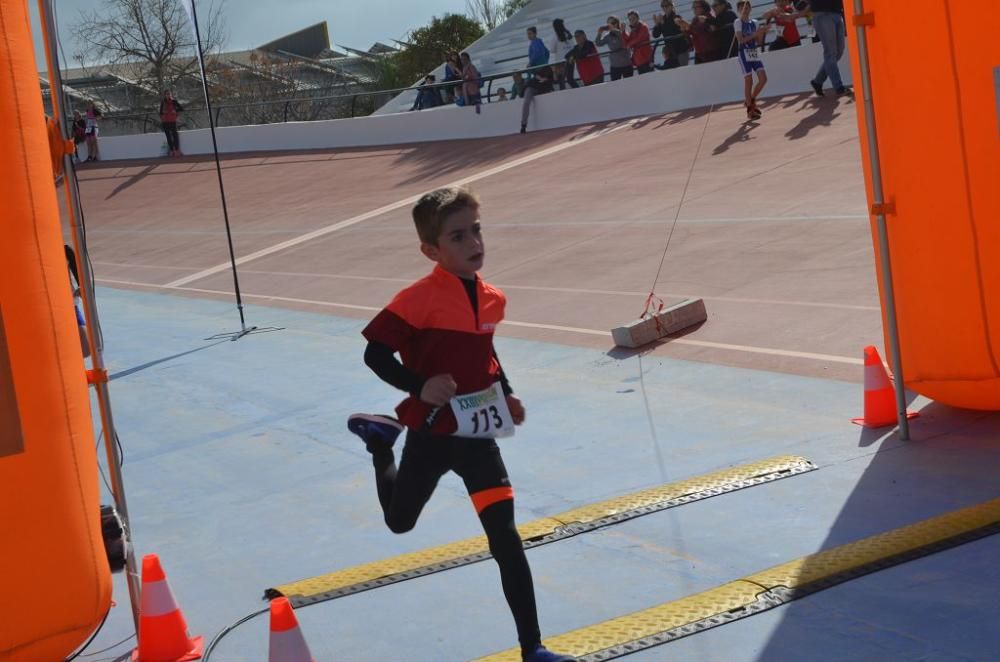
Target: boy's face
<point>745,11</point>
<point>460,248</point>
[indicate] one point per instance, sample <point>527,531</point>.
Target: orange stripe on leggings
<point>486,498</point>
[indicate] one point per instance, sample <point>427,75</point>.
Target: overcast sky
<point>355,23</point>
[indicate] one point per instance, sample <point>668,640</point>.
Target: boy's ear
<point>430,250</point>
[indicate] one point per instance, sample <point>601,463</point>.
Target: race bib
<point>752,54</point>
<point>483,414</point>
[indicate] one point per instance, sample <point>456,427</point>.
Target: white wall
<point>789,72</point>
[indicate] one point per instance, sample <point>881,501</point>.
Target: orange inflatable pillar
<point>938,124</point>
<point>56,580</point>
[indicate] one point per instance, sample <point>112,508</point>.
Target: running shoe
<point>543,654</point>
<point>817,88</point>
<point>378,432</point>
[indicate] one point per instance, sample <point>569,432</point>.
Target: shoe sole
<point>353,419</point>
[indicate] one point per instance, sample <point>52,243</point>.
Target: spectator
<point>428,96</point>
<point>587,60</point>
<point>538,54</point>
<point>701,29</point>
<point>725,18</point>
<point>540,83</point>
<point>637,39</point>
<point>517,86</point>
<point>79,133</point>
<point>91,130</point>
<point>749,36</point>
<point>828,21</point>
<point>668,26</point>
<point>170,109</point>
<point>502,94</point>
<point>452,72</point>
<point>669,59</point>
<point>560,45</point>
<point>621,62</point>
<point>784,17</point>
<point>471,83</point>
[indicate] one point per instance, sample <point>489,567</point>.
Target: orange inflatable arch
<point>938,124</point>
<point>57,584</point>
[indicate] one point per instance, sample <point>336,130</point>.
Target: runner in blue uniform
<point>750,37</point>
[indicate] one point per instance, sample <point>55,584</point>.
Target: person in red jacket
<point>459,400</point>
<point>637,38</point>
<point>169,111</point>
<point>588,62</point>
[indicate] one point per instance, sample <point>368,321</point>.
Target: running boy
<point>748,35</point>
<point>459,398</point>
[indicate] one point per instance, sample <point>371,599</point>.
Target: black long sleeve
<point>504,384</point>
<point>383,362</point>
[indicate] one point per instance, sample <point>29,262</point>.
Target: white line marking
<point>575,290</point>
<point>703,343</point>
<point>155,231</point>
<point>830,358</point>
<point>564,290</point>
<point>321,232</point>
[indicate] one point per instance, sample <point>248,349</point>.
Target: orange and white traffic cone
<point>880,396</point>
<point>287,642</point>
<point>163,633</point>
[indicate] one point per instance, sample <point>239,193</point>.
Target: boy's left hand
<point>516,409</point>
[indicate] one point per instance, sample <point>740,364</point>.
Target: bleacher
<point>506,48</point>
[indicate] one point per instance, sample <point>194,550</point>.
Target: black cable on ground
<point>92,637</point>
<point>217,638</point>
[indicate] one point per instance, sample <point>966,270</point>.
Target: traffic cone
<point>880,396</point>
<point>287,642</point>
<point>163,633</point>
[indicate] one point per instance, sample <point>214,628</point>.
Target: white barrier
<point>789,72</point>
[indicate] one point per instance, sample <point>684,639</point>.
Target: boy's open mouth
<point>476,258</point>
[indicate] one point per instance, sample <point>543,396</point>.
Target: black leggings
<point>173,138</point>
<point>403,492</point>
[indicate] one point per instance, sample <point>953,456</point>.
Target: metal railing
<point>336,106</point>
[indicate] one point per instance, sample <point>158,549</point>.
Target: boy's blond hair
<point>432,209</point>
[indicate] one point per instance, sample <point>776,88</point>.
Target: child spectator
<point>559,47</point>
<point>637,39</point>
<point>540,83</point>
<point>587,60</point>
<point>502,94</point>
<point>668,25</point>
<point>621,62</point>
<point>448,360</point>
<point>669,59</point>
<point>538,54</point>
<point>749,35</point>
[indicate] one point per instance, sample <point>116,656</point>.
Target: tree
<point>511,6</point>
<point>491,13</point>
<point>425,47</point>
<point>488,13</point>
<point>150,41</point>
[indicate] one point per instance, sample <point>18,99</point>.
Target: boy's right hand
<point>438,390</point>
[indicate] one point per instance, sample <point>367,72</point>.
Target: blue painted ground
<point>240,474</point>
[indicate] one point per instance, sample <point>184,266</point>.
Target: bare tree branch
<point>151,40</point>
